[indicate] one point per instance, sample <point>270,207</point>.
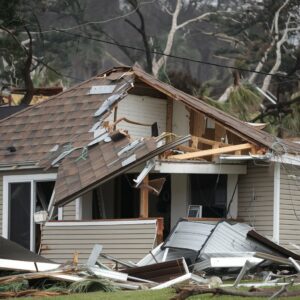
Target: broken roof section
<point>238,127</point>
<point>86,168</point>
<point>67,118</point>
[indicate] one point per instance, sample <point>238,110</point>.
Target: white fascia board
<point>100,223</point>
<point>198,168</point>
<point>287,159</point>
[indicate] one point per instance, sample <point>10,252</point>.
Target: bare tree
<point>281,37</point>
<point>158,63</point>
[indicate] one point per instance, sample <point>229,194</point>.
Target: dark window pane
<point>210,191</point>
<point>19,229</point>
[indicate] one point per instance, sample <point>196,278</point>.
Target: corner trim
<point>276,204</point>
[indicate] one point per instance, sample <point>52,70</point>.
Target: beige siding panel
<point>290,207</point>
<point>69,211</point>
<point>124,241</point>
<point>1,202</point>
<point>143,109</point>
<point>255,201</point>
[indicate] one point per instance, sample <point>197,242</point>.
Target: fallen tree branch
<point>185,292</point>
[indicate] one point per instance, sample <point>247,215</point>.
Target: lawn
<point>144,295</point>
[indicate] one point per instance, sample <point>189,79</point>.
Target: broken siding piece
<point>125,240</point>
<point>209,152</point>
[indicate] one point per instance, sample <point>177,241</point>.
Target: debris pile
<point>200,256</point>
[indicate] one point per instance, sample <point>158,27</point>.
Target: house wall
<point>181,119</point>
<point>69,211</point>
<point>289,225</point>
<point>255,198</point>
<point>1,202</point>
<point>142,109</point>
<point>126,240</point>
<point>179,197</point>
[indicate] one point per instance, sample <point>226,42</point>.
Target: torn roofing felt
<point>86,168</point>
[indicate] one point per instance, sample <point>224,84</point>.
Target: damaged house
<point>119,158</point>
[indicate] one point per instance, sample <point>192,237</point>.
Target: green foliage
<point>243,102</point>
<point>14,286</point>
<point>92,285</point>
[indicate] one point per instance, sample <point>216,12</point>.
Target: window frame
<point>32,179</point>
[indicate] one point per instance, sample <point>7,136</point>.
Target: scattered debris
<point>197,255</point>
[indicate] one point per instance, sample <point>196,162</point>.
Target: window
<point>23,195</point>
<point>209,191</point>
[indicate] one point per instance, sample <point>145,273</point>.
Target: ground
<point>145,295</point>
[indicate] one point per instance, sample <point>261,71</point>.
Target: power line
<point>139,5</point>
<point>168,55</point>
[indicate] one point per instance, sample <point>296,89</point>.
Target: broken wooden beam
<point>144,199</point>
<point>209,152</point>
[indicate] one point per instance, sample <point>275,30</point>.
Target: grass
<point>144,295</point>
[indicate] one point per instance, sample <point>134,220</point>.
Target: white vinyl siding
<point>121,240</point>
<point>290,207</point>
<point>143,109</point>
<point>255,198</point>
<point>69,211</point>
<point>1,203</point>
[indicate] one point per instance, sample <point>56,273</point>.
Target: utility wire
<point>168,55</point>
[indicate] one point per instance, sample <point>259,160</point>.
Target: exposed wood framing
<point>209,142</point>
<point>144,199</point>
<point>220,132</point>
<point>197,123</point>
<point>169,118</point>
<point>216,151</point>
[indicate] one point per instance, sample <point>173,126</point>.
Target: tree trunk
<point>26,73</point>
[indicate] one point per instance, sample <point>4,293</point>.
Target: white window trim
<point>32,178</point>
<point>78,208</point>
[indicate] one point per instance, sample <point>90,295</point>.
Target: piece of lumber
<point>210,142</point>
<point>144,199</point>
<point>209,152</point>
<point>186,148</point>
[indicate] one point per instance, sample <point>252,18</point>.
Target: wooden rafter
<point>215,151</point>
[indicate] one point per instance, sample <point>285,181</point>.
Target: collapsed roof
<point>68,131</point>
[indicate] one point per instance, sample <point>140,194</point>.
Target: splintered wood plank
<point>144,199</point>
<point>210,142</point>
<point>209,152</point>
<point>186,148</point>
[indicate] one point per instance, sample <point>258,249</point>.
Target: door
<point>23,195</point>
<point>20,213</point>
